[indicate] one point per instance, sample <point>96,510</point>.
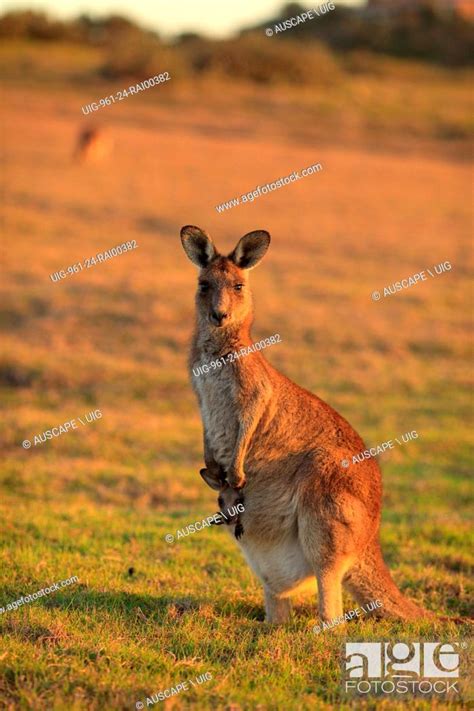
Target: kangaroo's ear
<point>197,245</point>
<point>213,481</point>
<point>250,249</point>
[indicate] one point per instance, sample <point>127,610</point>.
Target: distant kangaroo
<point>306,517</point>
<point>93,145</point>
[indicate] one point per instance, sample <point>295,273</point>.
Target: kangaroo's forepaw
<point>236,479</point>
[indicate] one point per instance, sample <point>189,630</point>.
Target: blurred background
<point>380,93</point>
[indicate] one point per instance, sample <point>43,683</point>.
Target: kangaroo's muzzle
<point>231,516</point>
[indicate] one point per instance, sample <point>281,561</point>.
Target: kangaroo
<point>229,512</point>
<point>307,519</point>
<point>92,145</point>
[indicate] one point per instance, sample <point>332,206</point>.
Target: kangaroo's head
<point>223,299</point>
<point>230,501</point>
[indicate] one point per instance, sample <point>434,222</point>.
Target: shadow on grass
<point>168,611</point>
<point>172,608</point>
<point>159,608</point>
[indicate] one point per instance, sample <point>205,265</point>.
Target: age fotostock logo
<point>401,667</point>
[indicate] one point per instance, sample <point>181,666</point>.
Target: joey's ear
<point>213,481</point>
<point>250,249</point>
<point>197,245</point>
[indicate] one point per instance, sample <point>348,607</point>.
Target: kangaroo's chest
<point>217,399</point>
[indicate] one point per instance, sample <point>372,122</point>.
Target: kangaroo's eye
<point>203,287</point>
<point>238,287</point>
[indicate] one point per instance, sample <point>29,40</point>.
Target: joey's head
<point>223,298</point>
<point>230,501</point>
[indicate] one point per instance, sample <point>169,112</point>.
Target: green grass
<point>193,606</point>
<point>188,608</point>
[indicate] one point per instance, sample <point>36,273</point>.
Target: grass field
<point>97,502</point>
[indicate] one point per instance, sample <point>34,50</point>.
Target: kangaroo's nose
<point>217,317</point>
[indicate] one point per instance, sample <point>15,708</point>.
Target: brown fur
<point>306,518</point>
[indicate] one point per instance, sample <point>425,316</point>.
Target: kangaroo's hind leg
<point>277,609</point>
<point>330,591</point>
<point>329,542</point>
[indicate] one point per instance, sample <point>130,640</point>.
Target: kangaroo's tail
<point>370,580</point>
